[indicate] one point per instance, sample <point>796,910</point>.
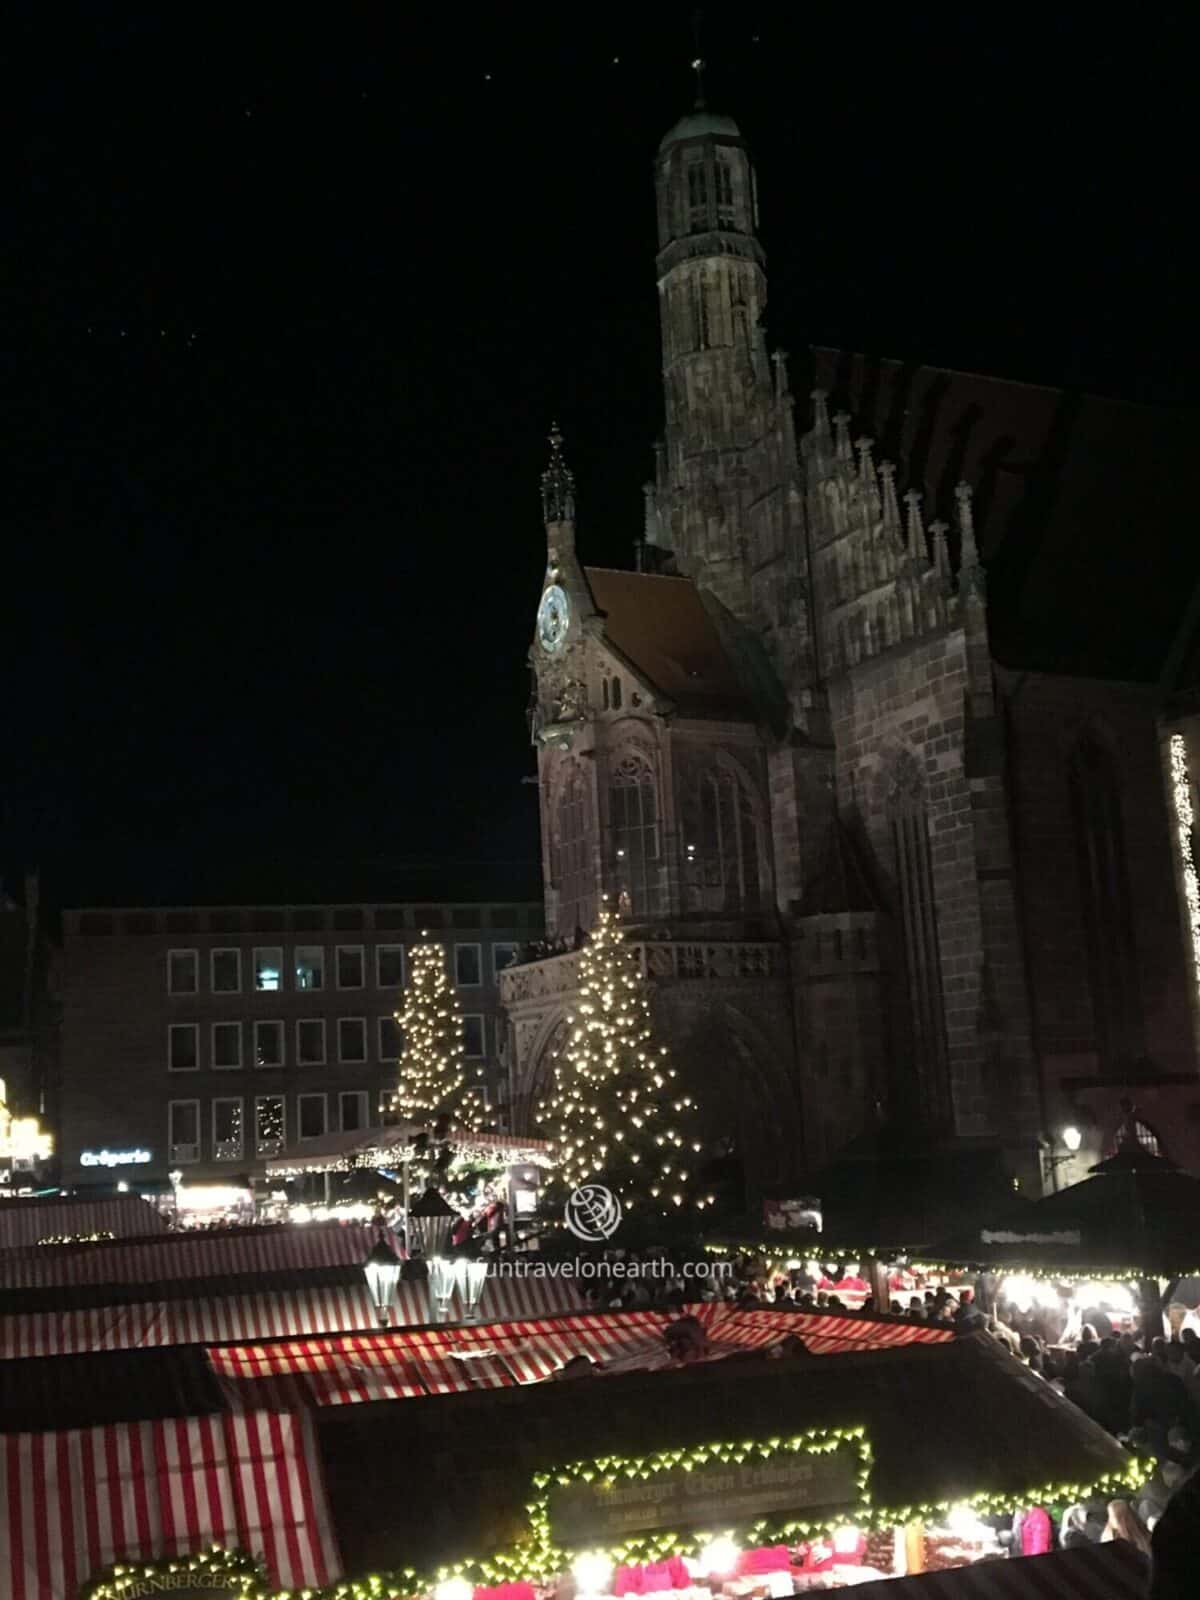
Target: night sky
<point>296,300</point>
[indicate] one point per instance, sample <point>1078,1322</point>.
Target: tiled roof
<point>661,626</point>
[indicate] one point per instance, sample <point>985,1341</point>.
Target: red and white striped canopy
<point>397,1365</point>
<point>71,1504</point>
<point>25,1223</point>
<point>223,1253</point>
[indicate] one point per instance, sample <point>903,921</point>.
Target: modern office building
<point>210,1039</point>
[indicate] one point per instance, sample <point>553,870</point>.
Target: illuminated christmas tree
<point>433,1082</point>
<point>616,1114</point>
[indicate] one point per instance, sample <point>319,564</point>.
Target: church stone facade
<point>786,750</point>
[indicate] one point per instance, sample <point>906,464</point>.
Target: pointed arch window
<point>697,186</point>
<point>698,303</point>
<point>922,953</point>
<point>724,176</point>
<point>721,854</point>
<point>635,835</point>
<point>574,858</point>
<point>1106,902</point>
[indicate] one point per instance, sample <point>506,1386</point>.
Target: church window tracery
<point>698,302</point>
<point>724,175</point>
<point>574,874</point>
<point>636,845</point>
<point>1107,908</point>
<point>697,181</point>
<point>918,909</point>
<point>721,855</point>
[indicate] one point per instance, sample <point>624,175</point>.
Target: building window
<point>268,1044</point>
<point>352,1110</point>
<point>918,908</point>
<point>503,957</point>
<point>226,1045</point>
<point>310,1042</point>
<point>352,1039</point>
<point>183,971</point>
<point>634,834</point>
<point>227,1130</point>
<point>389,966</point>
<point>473,1037</point>
<point>310,966</point>
<point>183,1047</point>
<point>724,177</point>
<point>391,1041</point>
<point>697,184</point>
<point>183,1131</point>
<point>270,1125</point>
<point>574,858</point>
<point>350,966</point>
<point>226,971</point>
<point>698,304</point>
<point>721,865</point>
<point>268,968</point>
<point>1106,903</point>
<point>468,965</point>
<point>310,1120</point>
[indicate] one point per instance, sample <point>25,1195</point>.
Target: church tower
<point>726,503</point>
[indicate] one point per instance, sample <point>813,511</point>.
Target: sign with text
<point>717,1494</point>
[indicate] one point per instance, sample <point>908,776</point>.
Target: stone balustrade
<point>659,960</point>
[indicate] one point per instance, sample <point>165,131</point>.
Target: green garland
<point>538,1559</point>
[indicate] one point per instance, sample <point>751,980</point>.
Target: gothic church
<point>893,854</point>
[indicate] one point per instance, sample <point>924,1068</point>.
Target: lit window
<point>352,1039</point>
<point>226,1045</point>
<point>227,1130</point>
<point>468,966</point>
<point>183,1047</point>
<point>183,1131</point>
<point>634,834</point>
<point>391,1041</point>
<point>311,1116</point>
<point>268,1044</point>
<point>310,1042</point>
<point>183,972</point>
<point>473,1045</point>
<point>350,966</point>
<point>503,955</point>
<point>389,966</point>
<point>352,1110</point>
<point>268,968</point>
<point>226,969</point>
<point>270,1127</point>
<point>310,966</point>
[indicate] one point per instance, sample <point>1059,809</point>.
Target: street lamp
<point>430,1221</point>
<point>1072,1138</point>
<point>382,1270</point>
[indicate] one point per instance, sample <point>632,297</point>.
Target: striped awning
<point>25,1223</point>
<point>448,1360</point>
<point>72,1504</point>
<point>223,1253</point>
<point>1114,1571</point>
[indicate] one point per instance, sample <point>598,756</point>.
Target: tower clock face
<point>554,613</point>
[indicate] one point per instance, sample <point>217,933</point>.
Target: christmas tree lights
<point>433,1078</point>
<point>616,1113</point>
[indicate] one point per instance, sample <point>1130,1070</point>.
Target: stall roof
<point>1135,1212</point>
<point>25,1222</point>
<point>342,1152</point>
<point>53,1393</point>
<point>1115,1571</point>
<point>945,1422</point>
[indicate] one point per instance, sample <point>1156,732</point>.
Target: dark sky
<point>295,300</point>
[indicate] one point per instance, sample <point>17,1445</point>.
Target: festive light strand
<point>1185,818</point>
<point>615,1113</point>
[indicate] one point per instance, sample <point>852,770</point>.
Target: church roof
<point>698,123</point>
<point>1079,502</point>
<point>660,625</point>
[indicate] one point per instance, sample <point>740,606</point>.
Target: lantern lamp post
<point>382,1271</point>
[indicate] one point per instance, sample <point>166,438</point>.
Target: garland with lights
<point>774,1255</point>
<point>240,1575</point>
<point>537,1559</point>
<point>1185,821</point>
<point>103,1236</point>
<point>614,1114</point>
<point>432,1077</point>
